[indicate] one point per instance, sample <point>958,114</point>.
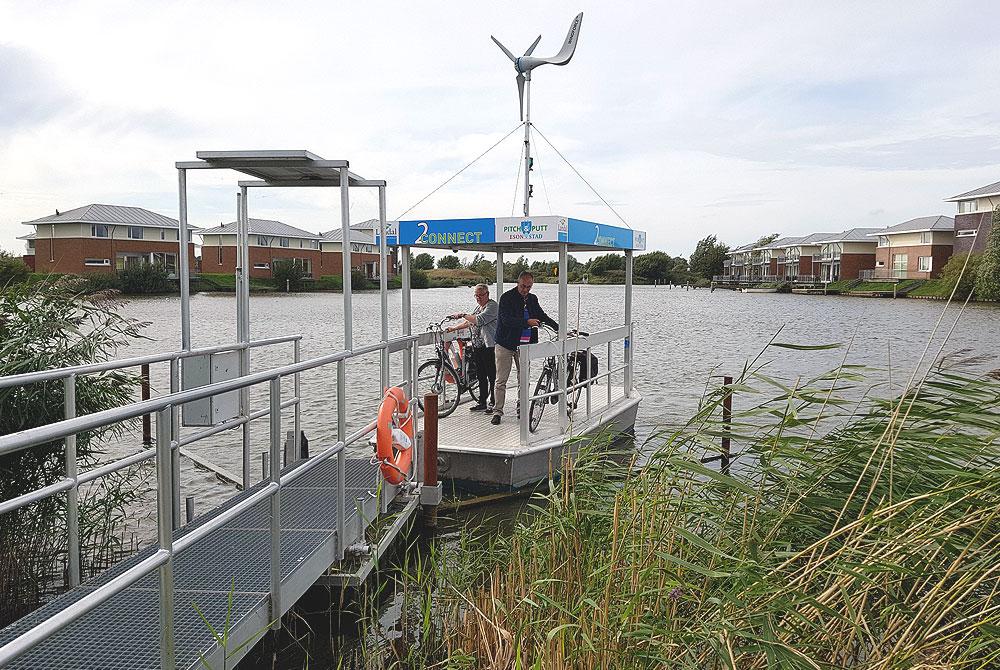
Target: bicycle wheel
<point>538,404</point>
<point>433,376</point>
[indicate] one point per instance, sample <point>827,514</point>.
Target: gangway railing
<point>72,481</point>
<point>167,445</point>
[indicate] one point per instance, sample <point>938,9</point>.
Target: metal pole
<point>383,287</point>
<point>341,505</point>
<point>527,142</point>
<point>609,374</point>
<point>414,408</point>
<point>275,472</point>
<point>727,419</point>
<point>430,452</point>
<point>147,428</point>
<point>243,319</point>
<point>345,253</point>
<point>563,332</point>
<point>164,531</point>
<point>499,275</point>
<point>522,393</point>
<point>73,494</point>
<point>182,260</point>
<point>411,352</point>
<point>297,417</point>
<point>175,452</point>
<point>628,323</point>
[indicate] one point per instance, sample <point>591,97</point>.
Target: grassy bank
<point>851,533</point>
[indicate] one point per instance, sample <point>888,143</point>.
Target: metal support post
<point>175,451</point>
<point>609,374</point>
<point>499,275</point>
<point>383,284</point>
<point>430,455</point>
<point>345,254</point>
<point>411,352</point>
<point>561,373</point>
<point>527,142</point>
<point>414,409</point>
<point>628,323</point>
<point>183,272</point>
<point>147,419</point>
<point>73,494</point>
<point>297,416</point>
<point>275,472</point>
<point>522,393</point>
<point>164,532</point>
<point>590,383</point>
<point>243,318</point>
<point>341,505</point>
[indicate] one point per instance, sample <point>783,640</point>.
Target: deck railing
<point>560,349</point>
<point>168,443</point>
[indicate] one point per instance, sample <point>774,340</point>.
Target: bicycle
<point>450,373</point>
<point>576,370</point>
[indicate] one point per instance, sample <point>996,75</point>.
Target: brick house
<point>103,238</point>
<point>364,252</point>
<point>269,242</point>
<point>975,213</point>
<point>915,249</point>
<point>847,255</point>
<point>768,261</point>
<point>736,267</point>
<point>371,227</point>
<point>800,260</point>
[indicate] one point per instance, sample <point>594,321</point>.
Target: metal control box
<point>199,371</point>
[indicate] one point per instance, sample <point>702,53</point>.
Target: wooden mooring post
<point>727,420</point>
<point>430,444</point>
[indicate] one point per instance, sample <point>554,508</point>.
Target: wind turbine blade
<point>504,49</point>
<point>533,45</point>
<point>520,94</point>
<point>569,46</point>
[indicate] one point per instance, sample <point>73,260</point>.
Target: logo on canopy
<point>526,227</point>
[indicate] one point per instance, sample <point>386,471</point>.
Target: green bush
<point>144,278</point>
<point>988,272</point>
<point>330,283</point>
<point>419,279</point>
<point>952,271</point>
<point>97,282</point>
<point>361,282</point>
<point>395,282</point>
<point>12,269</point>
<point>287,276</point>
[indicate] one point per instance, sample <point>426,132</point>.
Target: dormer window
<point>883,241</point>
<point>135,232</point>
<point>968,206</point>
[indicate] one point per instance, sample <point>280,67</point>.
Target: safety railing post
<point>297,420</point>
<point>341,505</point>
<point>628,362</point>
<point>164,532</point>
<point>418,460</point>
<point>590,383</point>
<point>609,374</point>
<point>522,393</point>
<point>175,454</point>
<point>73,494</point>
<point>274,396</point>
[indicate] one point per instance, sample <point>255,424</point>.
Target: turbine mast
<point>527,144</point>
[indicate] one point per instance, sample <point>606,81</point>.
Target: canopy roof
<point>279,167</point>
<point>519,234</point>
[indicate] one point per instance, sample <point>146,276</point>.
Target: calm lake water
<point>683,338</point>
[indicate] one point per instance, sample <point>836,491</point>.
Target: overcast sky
<point>734,119</point>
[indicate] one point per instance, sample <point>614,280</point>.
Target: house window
<point>163,234</point>
<point>135,232</point>
<point>99,230</point>
<point>168,261</point>
<point>31,244</point>
<point>283,241</point>
<point>967,206</point>
<point>899,263</point>
<point>220,254</point>
<point>970,232</point>
<point>98,262</point>
<point>313,244</point>
<point>262,241</point>
<point>925,237</point>
<point>883,241</point>
<point>924,263</point>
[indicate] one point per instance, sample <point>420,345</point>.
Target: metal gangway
<point>207,590</point>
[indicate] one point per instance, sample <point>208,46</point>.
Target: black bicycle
<point>450,373</point>
<point>577,369</point>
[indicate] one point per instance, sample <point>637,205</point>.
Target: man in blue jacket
<point>518,317</point>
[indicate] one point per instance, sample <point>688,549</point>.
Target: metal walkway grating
<point>124,632</point>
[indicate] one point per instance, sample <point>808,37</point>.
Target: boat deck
<point>465,430</point>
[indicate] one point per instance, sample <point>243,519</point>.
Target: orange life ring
<point>394,456</point>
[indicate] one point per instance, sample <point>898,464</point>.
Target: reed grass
<point>852,532</point>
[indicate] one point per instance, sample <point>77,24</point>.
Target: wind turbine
<point>524,65</point>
